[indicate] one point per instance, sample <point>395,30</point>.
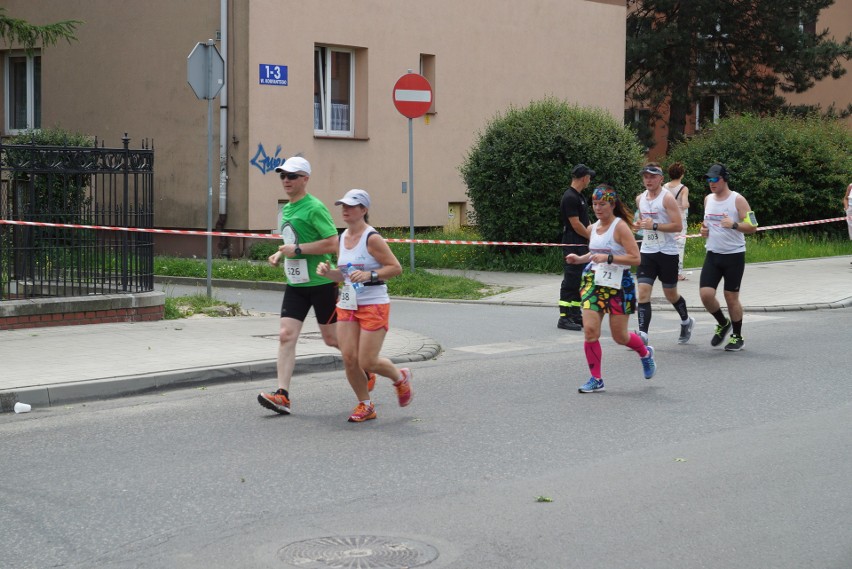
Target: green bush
<point>789,169</point>
<point>261,250</point>
<point>519,167</point>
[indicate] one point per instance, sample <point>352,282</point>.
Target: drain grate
<point>357,552</point>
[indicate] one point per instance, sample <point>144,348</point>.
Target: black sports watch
<point>297,250</point>
<point>654,227</point>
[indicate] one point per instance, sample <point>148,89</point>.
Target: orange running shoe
<point>363,413</point>
<point>371,379</point>
<point>403,387</point>
<point>277,402</point>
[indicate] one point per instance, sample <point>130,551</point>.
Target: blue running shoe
<point>649,366</point>
<point>592,386</point>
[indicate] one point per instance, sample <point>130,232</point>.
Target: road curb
<point>107,388</point>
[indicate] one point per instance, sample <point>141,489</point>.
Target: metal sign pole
<point>210,90</point>
<point>411,190</point>
<point>205,73</point>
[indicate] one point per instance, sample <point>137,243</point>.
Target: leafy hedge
<point>789,169</point>
<point>520,165</point>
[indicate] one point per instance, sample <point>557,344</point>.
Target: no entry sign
<point>412,95</point>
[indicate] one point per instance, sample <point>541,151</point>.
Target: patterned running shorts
<point>605,299</point>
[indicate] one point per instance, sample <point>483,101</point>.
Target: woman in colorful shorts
<point>608,286</point>
<point>364,263</point>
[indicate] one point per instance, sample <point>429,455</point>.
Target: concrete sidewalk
<point>52,366</point>
<point>808,284</point>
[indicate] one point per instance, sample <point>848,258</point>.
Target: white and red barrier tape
<point>422,241</point>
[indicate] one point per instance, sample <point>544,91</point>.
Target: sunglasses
<point>713,180</point>
<point>290,176</point>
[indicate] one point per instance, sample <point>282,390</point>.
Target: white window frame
<point>30,91</point>
<point>716,111</point>
<point>325,53</point>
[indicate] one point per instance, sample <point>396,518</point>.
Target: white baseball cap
<point>355,197</point>
<point>295,164</point>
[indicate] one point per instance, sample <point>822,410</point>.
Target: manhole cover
<point>357,552</point>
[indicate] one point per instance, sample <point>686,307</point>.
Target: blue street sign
<point>273,74</point>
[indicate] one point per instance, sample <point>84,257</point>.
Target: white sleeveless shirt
<point>361,260</point>
<point>604,244</point>
<point>722,240</point>
<point>656,241</point>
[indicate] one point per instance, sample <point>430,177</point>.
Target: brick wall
<point>40,313</point>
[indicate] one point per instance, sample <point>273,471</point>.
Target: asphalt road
<point>735,460</point>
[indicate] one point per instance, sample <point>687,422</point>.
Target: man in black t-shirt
<point>574,216</point>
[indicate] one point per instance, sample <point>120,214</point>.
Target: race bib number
<point>651,236</point>
<point>296,271</point>
<point>609,275</point>
<point>348,299</point>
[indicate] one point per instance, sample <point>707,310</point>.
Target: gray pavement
<point>54,366</point>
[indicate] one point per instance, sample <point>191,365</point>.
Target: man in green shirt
<point>310,237</point>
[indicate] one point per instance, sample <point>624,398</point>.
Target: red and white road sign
<point>412,95</point>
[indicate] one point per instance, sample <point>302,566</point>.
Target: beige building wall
<point>837,18</point>
<point>127,73</point>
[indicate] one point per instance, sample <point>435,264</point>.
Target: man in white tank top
<point>660,221</point>
<point>727,218</point>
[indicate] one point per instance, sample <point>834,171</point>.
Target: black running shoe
<point>735,344</point>
<point>721,333</point>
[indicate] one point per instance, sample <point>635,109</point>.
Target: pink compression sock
<point>636,344</point>
<point>593,356</point>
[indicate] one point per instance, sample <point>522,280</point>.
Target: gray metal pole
<point>209,53</point>
<point>411,189</point>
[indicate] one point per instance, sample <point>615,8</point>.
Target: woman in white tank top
<point>608,286</point>
<point>681,193</point>
<point>364,262</point>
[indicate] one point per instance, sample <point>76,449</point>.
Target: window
<point>334,91</point>
<point>22,91</point>
<point>709,109</point>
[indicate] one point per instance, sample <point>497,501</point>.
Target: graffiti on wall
<point>266,163</point>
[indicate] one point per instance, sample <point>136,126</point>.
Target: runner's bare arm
<point>624,237</point>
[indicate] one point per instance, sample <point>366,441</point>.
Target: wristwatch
<point>735,225</point>
<point>297,250</point>
<point>374,276</point>
<point>654,227</point>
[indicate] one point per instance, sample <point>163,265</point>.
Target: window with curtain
<point>334,91</point>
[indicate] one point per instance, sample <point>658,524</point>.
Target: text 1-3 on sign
<point>273,74</point>
<point>412,95</point>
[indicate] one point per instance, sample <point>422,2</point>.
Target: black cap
<point>581,170</point>
<point>717,171</point>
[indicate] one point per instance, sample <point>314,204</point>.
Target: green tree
<point>520,165</point>
<point>749,53</point>
<point>789,169</point>
<point>29,36</point>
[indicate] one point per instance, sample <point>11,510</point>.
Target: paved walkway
<point>53,366</point>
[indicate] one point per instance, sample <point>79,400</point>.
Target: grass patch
<point>473,257</point>
<point>422,284</point>
<point>177,307</point>
<point>239,269</point>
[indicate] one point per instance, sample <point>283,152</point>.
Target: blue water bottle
<point>355,286</point>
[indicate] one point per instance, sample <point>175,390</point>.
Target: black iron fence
<point>80,186</point>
